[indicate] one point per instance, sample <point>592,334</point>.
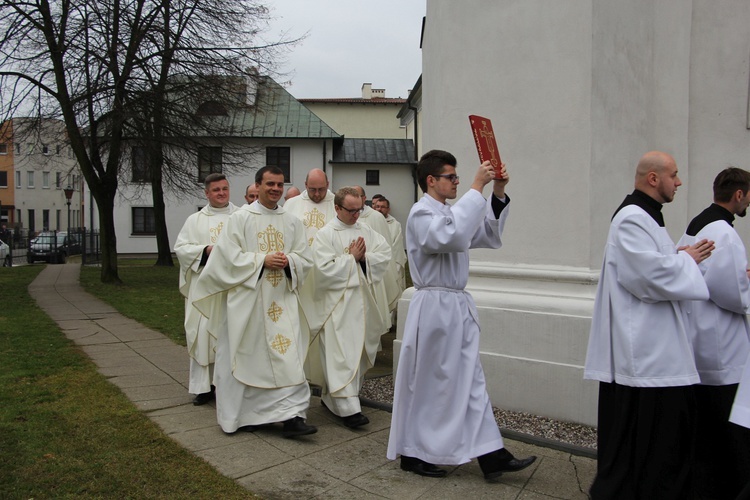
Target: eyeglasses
<point>451,177</point>
<point>352,211</point>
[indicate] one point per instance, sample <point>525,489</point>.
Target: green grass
<point>66,432</point>
<point>148,295</point>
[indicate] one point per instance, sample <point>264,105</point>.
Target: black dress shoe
<point>203,398</point>
<point>297,427</point>
<point>356,420</point>
<point>517,464</point>
<point>417,466</point>
<point>495,463</point>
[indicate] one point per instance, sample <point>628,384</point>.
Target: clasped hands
<point>357,249</point>
<point>276,260</point>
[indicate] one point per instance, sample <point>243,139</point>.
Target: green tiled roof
<point>374,151</point>
<point>275,114</point>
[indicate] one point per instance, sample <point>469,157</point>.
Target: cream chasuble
<point>353,310</point>
<point>200,230</point>
<point>398,263</point>
<point>313,215</point>
<point>257,308</point>
<point>376,221</point>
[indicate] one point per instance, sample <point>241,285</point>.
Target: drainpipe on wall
<point>416,152</point>
<point>325,145</point>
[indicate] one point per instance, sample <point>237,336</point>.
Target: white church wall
<point>577,92</point>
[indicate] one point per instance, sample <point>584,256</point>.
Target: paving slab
<point>335,463</point>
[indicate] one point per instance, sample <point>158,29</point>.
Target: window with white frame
<point>18,179</point>
<point>58,180</point>
<point>45,180</point>
<point>4,179</point>
<point>30,179</point>
<point>3,148</point>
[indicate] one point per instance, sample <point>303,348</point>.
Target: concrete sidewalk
<point>334,463</point>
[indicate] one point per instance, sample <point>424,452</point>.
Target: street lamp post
<point>68,195</point>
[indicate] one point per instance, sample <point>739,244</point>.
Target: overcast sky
<point>350,42</point>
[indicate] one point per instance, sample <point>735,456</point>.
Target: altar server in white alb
<point>193,248</point>
<point>248,290</point>
<point>639,349</point>
<point>350,261</point>
<point>442,413</point>
<point>718,328</point>
<point>740,416</point>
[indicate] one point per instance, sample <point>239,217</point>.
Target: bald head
<point>291,193</point>
<point>316,184</point>
<point>251,193</point>
<point>656,175</point>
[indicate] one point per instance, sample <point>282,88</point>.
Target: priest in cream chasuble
<point>351,260</point>
<point>249,292</point>
<point>193,247</point>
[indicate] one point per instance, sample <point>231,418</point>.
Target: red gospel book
<point>484,138</point>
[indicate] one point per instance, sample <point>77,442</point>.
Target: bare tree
<point>122,71</point>
<point>195,66</point>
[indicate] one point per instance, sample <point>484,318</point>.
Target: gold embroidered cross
<point>281,344</point>
<point>490,136</point>
<point>215,232</point>
<point>274,312</point>
<point>274,276</point>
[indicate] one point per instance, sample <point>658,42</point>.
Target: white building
<point>273,128</point>
<point>577,92</point>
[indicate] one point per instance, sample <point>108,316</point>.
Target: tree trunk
<point>164,251</point>
<point>108,238</point>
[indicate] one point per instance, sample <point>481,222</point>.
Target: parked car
<point>4,254</point>
<point>52,247</point>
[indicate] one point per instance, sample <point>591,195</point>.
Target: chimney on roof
<point>368,92</point>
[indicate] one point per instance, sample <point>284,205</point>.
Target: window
<point>45,180</point>
<point>4,179</point>
<point>58,180</point>
<point>279,157</point>
<point>18,178</point>
<point>372,177</point>
<point>45,220</point>
<point>143,220</point>
<point>45,149</point>
<point>30,183</point>
<point>57,149</point>
<point>58,219</point>
<point>139,165</point>
<point>18,215</point>
<point>18,148</point>
<point>29,148</point>
<point>32,221</point>
<point>209,161</point>
<point>3,148</point>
